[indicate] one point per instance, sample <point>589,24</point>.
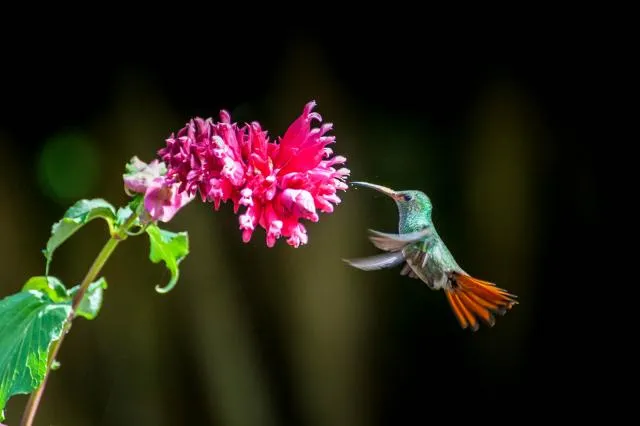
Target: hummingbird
<point>424,256</point>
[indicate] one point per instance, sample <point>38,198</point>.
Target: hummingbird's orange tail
<point>471,298</point>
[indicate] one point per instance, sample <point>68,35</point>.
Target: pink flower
<point>279,183</point>
<point>162,199</point>
<point>139,174</point>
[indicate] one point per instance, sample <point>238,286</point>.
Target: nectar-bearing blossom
<point>277,183</point>
<point>162,199</point>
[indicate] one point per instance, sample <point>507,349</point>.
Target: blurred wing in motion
<point>395,242</point>
<point>380,261</point>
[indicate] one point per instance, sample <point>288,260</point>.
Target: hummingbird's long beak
<point>387,191</point>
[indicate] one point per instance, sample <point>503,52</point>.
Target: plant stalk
<point>34,399</point>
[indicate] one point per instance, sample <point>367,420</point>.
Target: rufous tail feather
<point>472,300</point>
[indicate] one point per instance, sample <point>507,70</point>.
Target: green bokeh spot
<point>68,166</point>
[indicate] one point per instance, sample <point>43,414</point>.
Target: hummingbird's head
<point>410,203</point>
<point>413,202</point>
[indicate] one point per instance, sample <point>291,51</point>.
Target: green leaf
<point>91,303</point>
<point>29,322</point>
<point>78,215</point>
<point>125,212</point>
<point>169,247</point>
<point>51,286</point>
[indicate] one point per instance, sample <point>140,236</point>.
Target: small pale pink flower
<point>162,199</point>
<point>274,232</point>
<point>247,225</point>
<point>246,198</point>
<point>139,174</point>
<point>279,183</point>
<point>298,235</point>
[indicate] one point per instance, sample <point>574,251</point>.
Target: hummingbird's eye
<point>407,197</point>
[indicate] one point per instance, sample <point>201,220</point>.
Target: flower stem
<point>118,236</point>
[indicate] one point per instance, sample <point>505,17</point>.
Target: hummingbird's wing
<point>417,257</point>
<point>400,247</point>
<point>395,242</point>
<point>379,261</point>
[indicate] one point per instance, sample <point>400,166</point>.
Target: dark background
<point>491,127</point>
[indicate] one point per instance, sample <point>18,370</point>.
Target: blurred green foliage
<point>68,167</point>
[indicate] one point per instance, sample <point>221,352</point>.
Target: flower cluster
<point>276,183</point>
